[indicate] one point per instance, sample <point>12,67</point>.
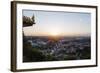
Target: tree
<point>28,21</point>
<point>27,47</point>
<point>33,19</point>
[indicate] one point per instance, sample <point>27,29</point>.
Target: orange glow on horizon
<point>54,34</point>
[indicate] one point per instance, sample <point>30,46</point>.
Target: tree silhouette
<point>28,21</point>
<point>27,47</point>
<point>33,19</point>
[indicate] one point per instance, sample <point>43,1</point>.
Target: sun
<point>54,33</point>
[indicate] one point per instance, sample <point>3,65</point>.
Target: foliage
<point>86,53</point>
<point>32,54</point>
<point>27,21</point>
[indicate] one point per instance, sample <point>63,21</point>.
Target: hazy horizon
<point>50,23</point>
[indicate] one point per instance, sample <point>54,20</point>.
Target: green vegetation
<point>86,53</point>
<point>32,54</point>
<point>27,21</point>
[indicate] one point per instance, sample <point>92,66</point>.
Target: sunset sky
<point>58,23</point>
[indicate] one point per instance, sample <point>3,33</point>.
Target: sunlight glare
<point>55,32</point>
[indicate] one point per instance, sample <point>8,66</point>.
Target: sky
<point>58,23</point>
